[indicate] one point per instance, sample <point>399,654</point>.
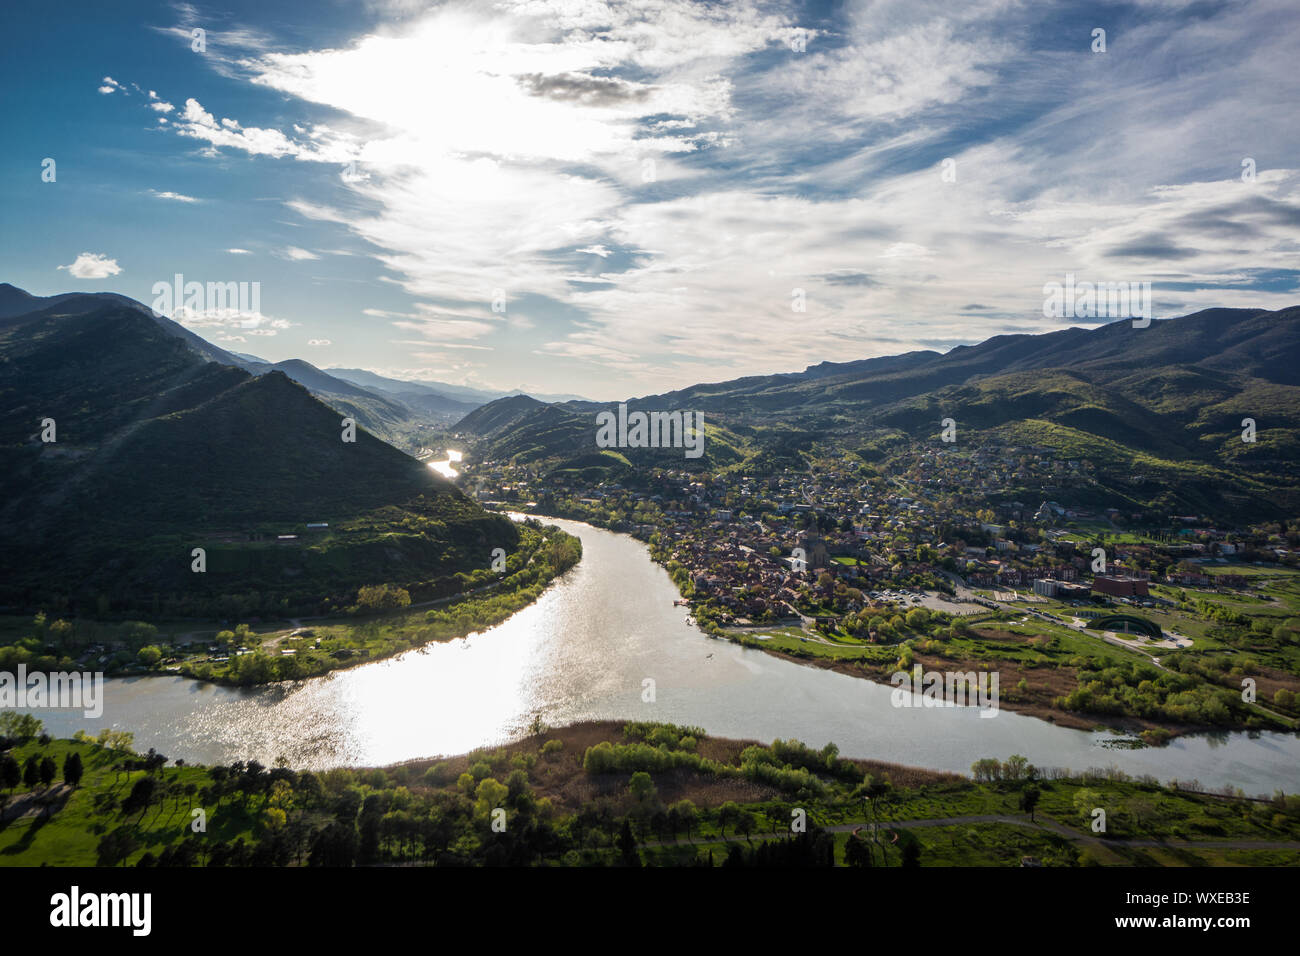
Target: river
<point>584,650</point>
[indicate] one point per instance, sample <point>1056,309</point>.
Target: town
<point>860,567</point>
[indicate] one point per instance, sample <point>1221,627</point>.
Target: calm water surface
<point>582,651</point>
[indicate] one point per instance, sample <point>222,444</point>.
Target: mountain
<point>15,302</point>
<point>387,416</point>
<point>1160,410</point>
<point>469,396</point>
<point>159,450</point>
<point>399,418</point>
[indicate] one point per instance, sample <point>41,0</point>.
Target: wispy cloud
<point>176,197</point>
<point>662,181</point>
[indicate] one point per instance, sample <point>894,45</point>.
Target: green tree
<point>642,786</point>
<point>627,845</point>
<point>686,814</point>
<point>1029,800</point>
<point>1085,801</point>
<point>489,795</point>
<point>857,852</point>
<point>116,845</point>
<point>10,773</point>
<point>726,813</point>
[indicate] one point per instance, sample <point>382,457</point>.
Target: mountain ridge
<point>158,449</point>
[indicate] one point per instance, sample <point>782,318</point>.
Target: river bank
<point>585,650</point>
<point>616,793</point>
<point>1040,673</point>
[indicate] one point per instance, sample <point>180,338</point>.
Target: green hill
<point>159,451</point>
<point>1158,410</point>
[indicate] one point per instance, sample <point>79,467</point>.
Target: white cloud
<point>177,197</point>
<point>319,342</point>
<point>92,265</point>
<point>298,255</point>
<point>239,252</point>
<point>503,146</point>
<point>246,321</point>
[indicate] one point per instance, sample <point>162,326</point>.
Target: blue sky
<point>618,198</point>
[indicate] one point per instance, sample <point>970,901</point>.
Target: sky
<point>622,198</point>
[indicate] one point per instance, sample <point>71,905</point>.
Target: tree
<point>336,845</point>
<point>686,815</point>
<point>1015,768</point>
<point>72,769</point>
<point>382,597</point>
<point>490,794</point>
<point>746,823</point>
<point>31,771</point>
<point>1142,811</point>
<point>10,773</point>
<point>1085,801</point>
<point>1029,800</point>
<point>911,852</point>
<point>20,727</point>
<point>627,845</point>
<point>641,786</point>
<point>48,770</point>
<point>141,795</point>
<point>726,813</point>
<point>116,846</point>
<point>857,852</point>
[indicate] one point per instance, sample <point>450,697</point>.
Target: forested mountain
<point>157,450</point>
<point>1159,410</point>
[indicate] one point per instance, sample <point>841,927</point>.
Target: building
<point>1047,587</point>
<point>1120,586</point>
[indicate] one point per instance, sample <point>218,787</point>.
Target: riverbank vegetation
<point>610,794</point>
<point>1057,673</point>
<point>383,619</point>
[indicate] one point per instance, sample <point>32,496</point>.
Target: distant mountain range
<point>164,442</point>
<point>1158,409</point>
<point>472,396</point>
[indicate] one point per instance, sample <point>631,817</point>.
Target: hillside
<point>159,451</point>
<point>1159,410</point>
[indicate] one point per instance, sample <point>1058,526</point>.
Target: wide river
<point>585,650</point>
